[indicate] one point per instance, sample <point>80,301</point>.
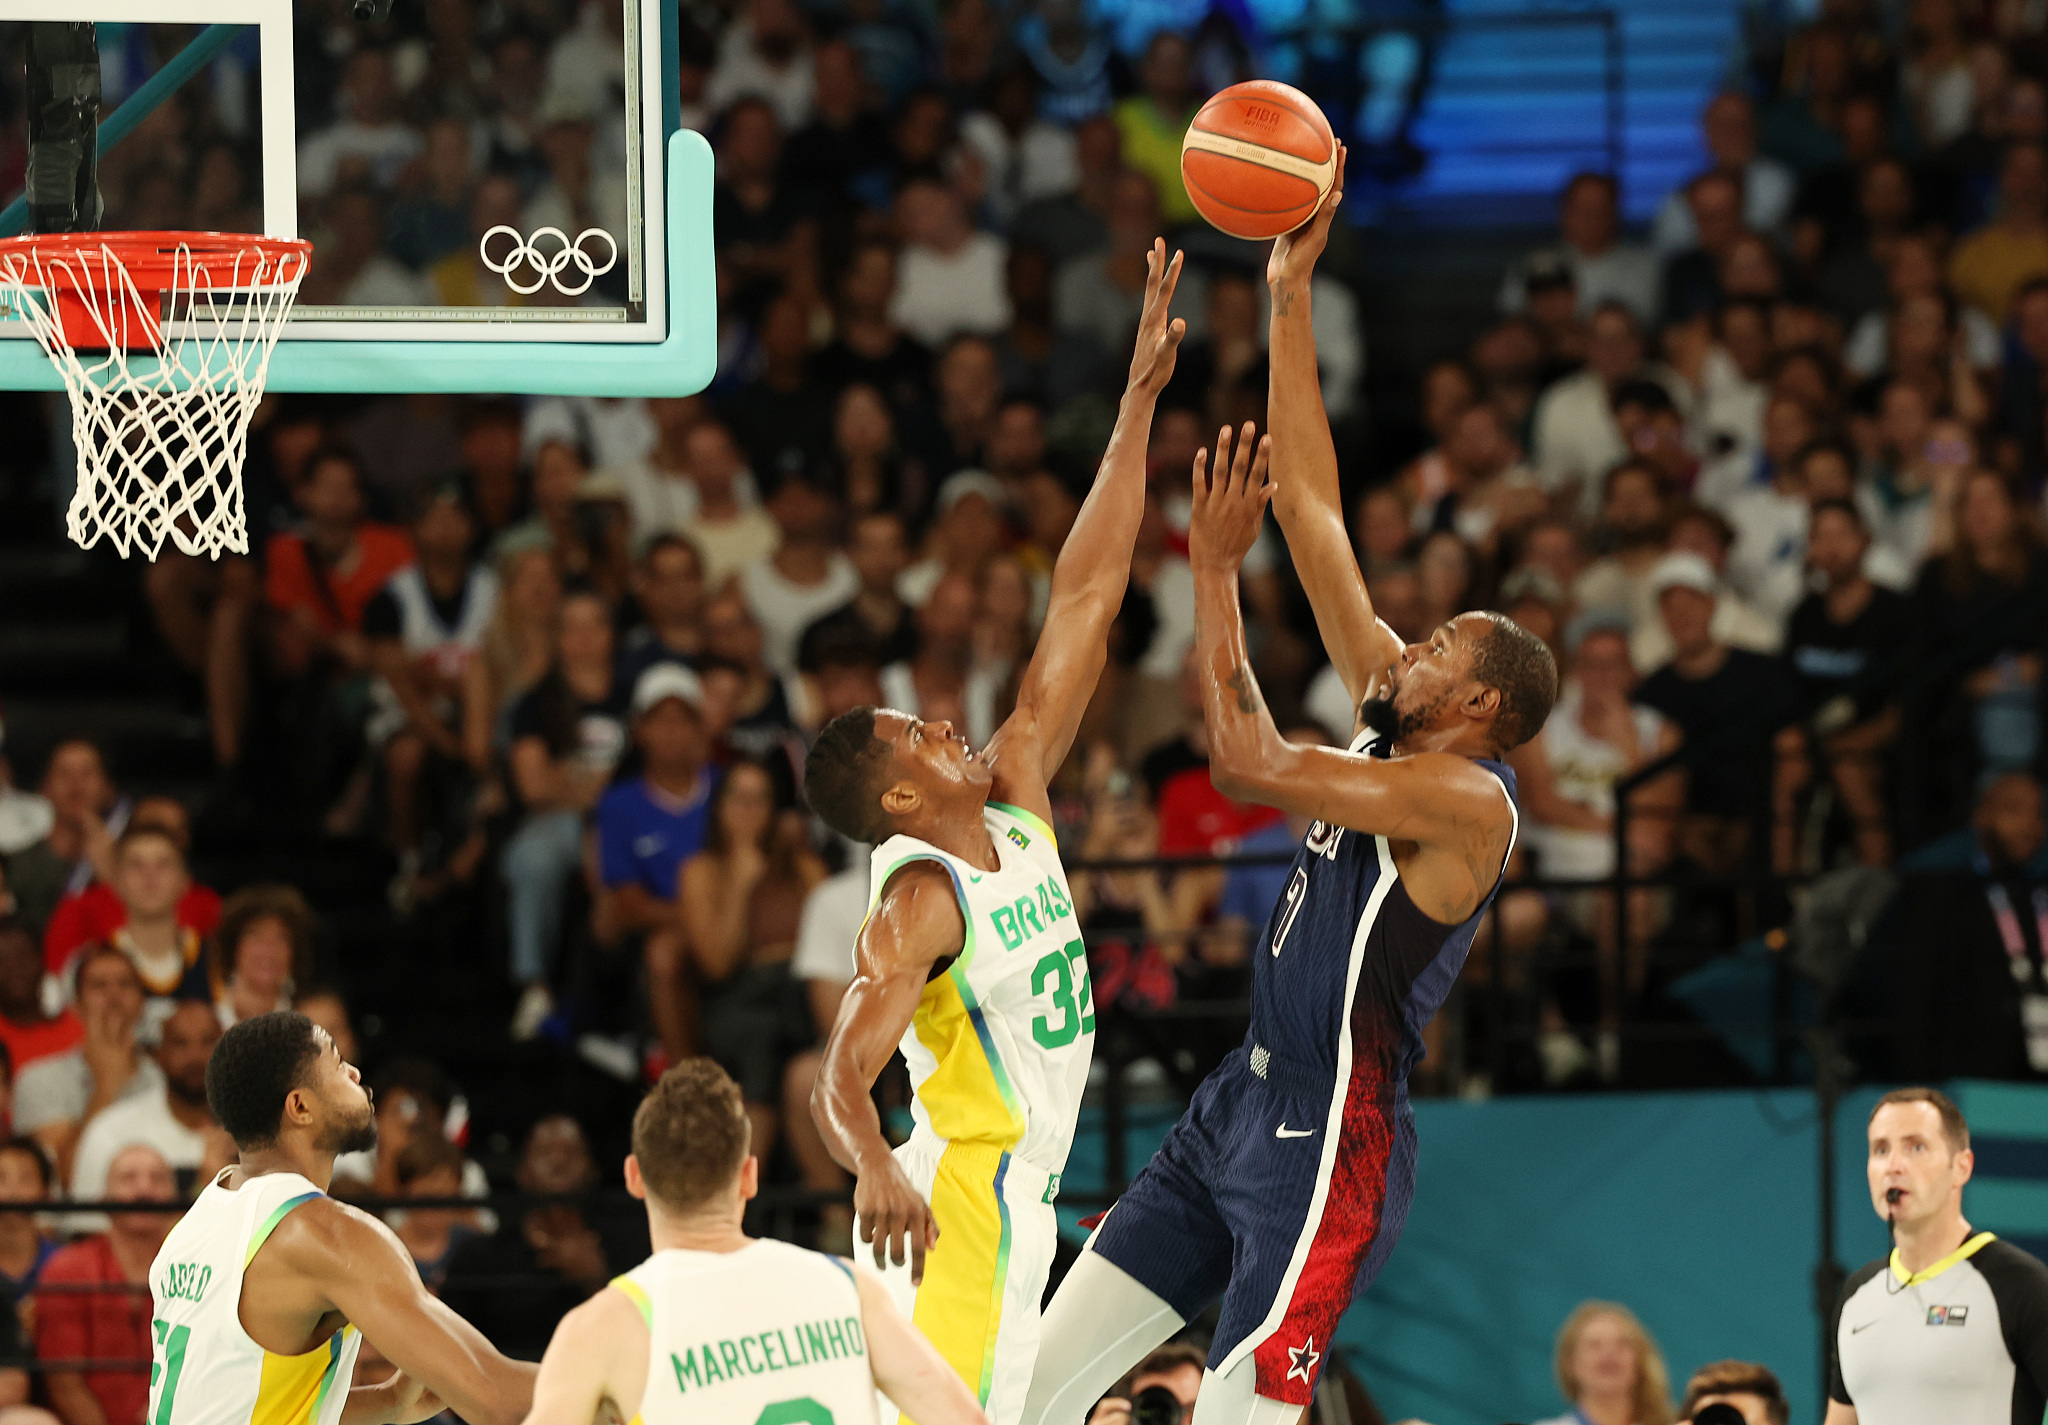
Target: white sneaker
<point>535,1005</point>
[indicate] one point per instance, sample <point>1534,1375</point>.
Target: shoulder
<point>2016,1275</point>
<point>1859,1279</point>
<point>320,1228</point>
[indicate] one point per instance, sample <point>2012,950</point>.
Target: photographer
<point>1161,1391</point>
<point>1735,1393</point>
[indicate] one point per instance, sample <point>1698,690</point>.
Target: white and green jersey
<point>998,1049</point>
<point>204,1369</point>
<point>768,1335</point>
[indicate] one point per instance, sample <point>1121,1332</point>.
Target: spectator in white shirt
<point>950,277</point>
<point>1604,268</point>
<point>172,1117</point>
<point>1099,295</point>
<point>58,1095</point>
<point>806,577</point>
<point>823,965</point>
<point>1023,158</point>
<point>1768,186</point>
<point>1577,440</point>
<point>367,141</point>
<point>766,53</point>
<point>729,530</point>
<point>354,270</point>
<point>1736,621</point>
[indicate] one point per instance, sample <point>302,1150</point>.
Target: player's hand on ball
<point>895,1217</point>
<point>1158,336</point>
<point>1230,500</point>
<point>1293,259</point>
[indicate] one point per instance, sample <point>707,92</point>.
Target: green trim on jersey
<point>957,974</point>
<point>636,1294</point>
<point>262,1234</point>
<point>1030,819</point>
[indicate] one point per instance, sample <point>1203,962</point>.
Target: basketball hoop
<point>163,340</point>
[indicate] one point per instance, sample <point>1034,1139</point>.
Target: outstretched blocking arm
<point>916,924</point>
<point>1093,568</point>
<point>1433,798</point>
<point>354,1263</point>
<point>1307,500</point>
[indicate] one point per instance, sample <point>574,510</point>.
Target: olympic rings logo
<point>548,267</point>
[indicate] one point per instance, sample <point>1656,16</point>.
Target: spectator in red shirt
<point>1194,818</point>
<point>318,582</point>
<point>172,958</point>
<point>96,912</point>
<point>25,1029</point>
<point>110,1323</point>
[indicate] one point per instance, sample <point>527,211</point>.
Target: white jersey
<point>768,1335</point>
<point>998,1050</point>
<point>204,1368</point>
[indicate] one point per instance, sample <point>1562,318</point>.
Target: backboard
<point>497,191</point>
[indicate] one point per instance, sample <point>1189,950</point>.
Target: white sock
<point>1232,1398</point>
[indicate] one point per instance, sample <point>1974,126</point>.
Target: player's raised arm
<point>1308,502</point>
<point>1093,568</point>
<point>355,1263</point>
<point>915,924</point>
<point>1434,798</point>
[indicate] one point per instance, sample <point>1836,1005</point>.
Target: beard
<point>1383,717</point>
<point>356,1135</point>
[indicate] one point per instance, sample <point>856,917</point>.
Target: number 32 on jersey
<point>1065,973</point>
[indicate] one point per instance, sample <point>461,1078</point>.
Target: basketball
<point>1258,158</point>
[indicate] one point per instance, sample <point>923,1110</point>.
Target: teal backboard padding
<point>681,364</point>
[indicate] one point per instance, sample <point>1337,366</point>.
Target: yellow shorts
<point>984,1282</point>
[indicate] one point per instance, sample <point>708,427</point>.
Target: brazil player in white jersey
<point>719,1328</point>
<point>264,1291</point>
<point>971,957</point>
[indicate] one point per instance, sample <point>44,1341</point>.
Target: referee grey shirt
<point>1964,1342</point>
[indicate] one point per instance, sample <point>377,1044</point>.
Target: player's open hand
<point>1293,259</point>
<point>1230,499</point>
<point>1158,336</point>
<point>894,1216</point>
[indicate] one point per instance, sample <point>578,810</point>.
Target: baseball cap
<point>971,482</point>
<point>664,681</point>
<point>1682,569</point>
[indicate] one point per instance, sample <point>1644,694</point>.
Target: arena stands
<point>502,717</point>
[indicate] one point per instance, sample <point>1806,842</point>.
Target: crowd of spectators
<point>1768,476</point>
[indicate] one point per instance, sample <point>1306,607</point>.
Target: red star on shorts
<point>1301,1360</point>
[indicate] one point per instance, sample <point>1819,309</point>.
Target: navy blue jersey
<point>1285,1185</point>
<point>1346,942</point>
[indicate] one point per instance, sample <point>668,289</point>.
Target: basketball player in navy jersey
<point>1283,1188</point>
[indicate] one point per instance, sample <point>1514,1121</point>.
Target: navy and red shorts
<point>1250,1200</point>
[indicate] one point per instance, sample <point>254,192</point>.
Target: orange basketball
<point>1258,158</point>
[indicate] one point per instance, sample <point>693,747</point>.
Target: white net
<point>161,415</point>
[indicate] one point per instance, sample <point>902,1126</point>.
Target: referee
<point>1953,1326</point>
